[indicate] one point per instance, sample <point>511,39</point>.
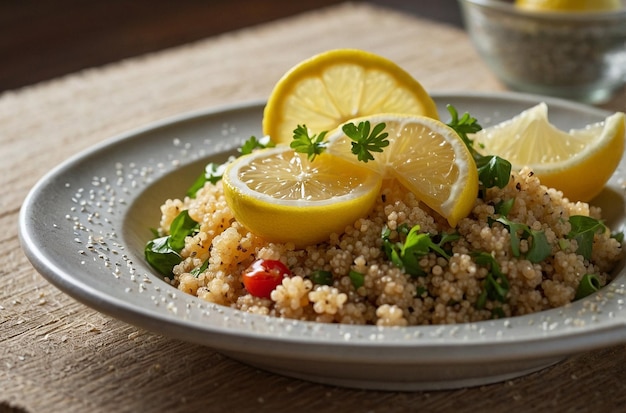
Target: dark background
<point>44,39</point>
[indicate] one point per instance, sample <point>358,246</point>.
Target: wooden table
<point>57,355</point>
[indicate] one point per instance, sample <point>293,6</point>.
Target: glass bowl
<point>572,55</point>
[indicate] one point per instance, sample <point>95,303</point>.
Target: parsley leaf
<point>391,249</point>
<point>422,243</point>
<point>304,143</point>
<point>253,143</point>
<point>408,252</point>
<point>504,207</point>
<point>492,170</point>
<point>358,279</point>
<point>539,248</point>
<point>415,246</point>
<point>463,126</point>
<point>161,256</point>
<point>199,270</point>
<point>583,231</point>
<point>514,230</point>
<point>589,284</point>
<point>164,253</point>
<point>496,286</point>
<point>321,277</point>
<point>212,173</point>
<point>182,226</point>
<point>365,142</point>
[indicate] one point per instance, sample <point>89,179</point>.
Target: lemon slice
<point>578,162</point>
<point>281,196</point>
<point>569,5</point>
<point>332,87</point>
<point>426,156</point>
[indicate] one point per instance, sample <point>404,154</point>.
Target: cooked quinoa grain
<point>446,291</point>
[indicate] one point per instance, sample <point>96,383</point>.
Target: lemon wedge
<point>569,5</point>
<point>332,87</point>
<point>283,197</point>
<point>426,156</point>
<point>578,162</point>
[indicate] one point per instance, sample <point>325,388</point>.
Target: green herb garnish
<point>164,253</point>
<point>311,145</point>
<point>538,249</point>
<point>463,126</point>
<point>496,285</point>
<point>199,270</point>
<point>358,279</point>
<point>498,312</point>
<point>420,243</point>
<point>407,252</point>
<point>420,291</point>
<point>492,170</point>
<point>583,231</point>
<point>212,173</point>
<point>161,256</point>
<point>321,277</point>
<point>365,140</point>
<point>589,284</point>
<point>182,226</point>
<point>504,207</point>
<point>253,143</point>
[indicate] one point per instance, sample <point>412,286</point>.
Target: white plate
<point>84,226</point>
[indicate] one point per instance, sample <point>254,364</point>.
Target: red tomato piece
<point>263,276</point>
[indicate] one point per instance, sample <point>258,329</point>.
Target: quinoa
<point>448,290</point>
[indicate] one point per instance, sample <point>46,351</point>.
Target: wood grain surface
<point>56,355</point>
